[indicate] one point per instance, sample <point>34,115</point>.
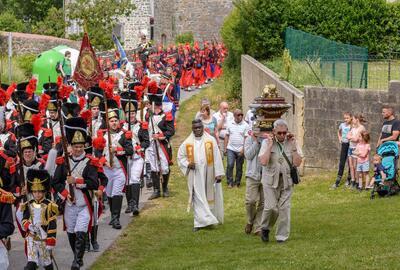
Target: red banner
<point>88,71</point>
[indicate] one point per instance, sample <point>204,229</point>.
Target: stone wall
<point>35,44</point>
<point>324,109</point>
<point>202,17</point>
<point>132,25</point>
<point>164,21</point>
<point>254,78</point>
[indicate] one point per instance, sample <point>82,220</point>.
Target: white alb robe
<point>205,196</point>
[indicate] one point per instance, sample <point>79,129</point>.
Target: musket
<point>158,160</point>
<point>65,150</point>
<point>111,155</point>
<point>20,156</point>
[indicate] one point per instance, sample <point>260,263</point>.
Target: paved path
<point>106,237</point>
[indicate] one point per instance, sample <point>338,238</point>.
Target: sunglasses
<point>281,133</point>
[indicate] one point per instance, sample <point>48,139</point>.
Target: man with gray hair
<point>224,118</point>
<point>276,180</point>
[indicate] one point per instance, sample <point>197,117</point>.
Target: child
<point>379,172</point>
<point>354,136</point>
<point>40,221</point>
<point>362,151</point>
<point>344,129</point>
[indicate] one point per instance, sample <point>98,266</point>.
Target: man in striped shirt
<point>236,133</point>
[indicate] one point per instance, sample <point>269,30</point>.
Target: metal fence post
<point>334,70</point>
<point>389,69</point>
<point>9,57</point>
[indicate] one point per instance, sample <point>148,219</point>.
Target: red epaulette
<point>60,160</point>
<point>145,125</point>
<point>168,116</point>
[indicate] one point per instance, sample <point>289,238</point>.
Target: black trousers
<point>344,151</point>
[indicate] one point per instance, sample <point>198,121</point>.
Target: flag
<point>121,50</point>
<point>88,71</point>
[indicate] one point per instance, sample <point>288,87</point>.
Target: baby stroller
<point>389,151</point>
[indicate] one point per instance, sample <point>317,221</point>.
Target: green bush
<point>184,38</point>
<point>256,27</point>
<point>17,74</point>
<point>25,63</point>
<point>10,23</point>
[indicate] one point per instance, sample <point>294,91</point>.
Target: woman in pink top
<point>362,151</point>
<point>354,137</point>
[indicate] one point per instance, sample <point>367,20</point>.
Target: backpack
<point>58,64</point>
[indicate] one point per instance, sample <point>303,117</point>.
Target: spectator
<point>362,151</point>
<point>209,121</point>
<point>204,102</point>
<point>354,137</point>
<point>390,128</point>
<point>344,129</point>
<point>379,172</point>
<point>249,118</point>
<point>254,189</point>
<point>223,117</point>
<point>276,181</point>
<point>235,135</point>
<point>65,67</point>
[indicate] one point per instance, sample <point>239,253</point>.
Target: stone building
<point>165,19</point>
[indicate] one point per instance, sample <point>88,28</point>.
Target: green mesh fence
<point>340,65</point>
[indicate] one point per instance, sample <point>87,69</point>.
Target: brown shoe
<point>257,233</point>
<point>248,228</point>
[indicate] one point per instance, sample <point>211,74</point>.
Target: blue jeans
<point>232,158</point>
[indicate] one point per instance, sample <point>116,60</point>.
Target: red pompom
<point>99,143</point>
<point>31,87</point>
<point>139,91</point>
<point>152,87</point>
<point>145,81</point>
<point>3,97</point>
<point>36,121</point>
<point>11,89</point>
<point>65,91</point>
<point>87,116</point>
<point>44,101</point>
<point>82,102</point>
<point>59,81</point>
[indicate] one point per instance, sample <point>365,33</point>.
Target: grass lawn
<point>301,74</point>
<point>337,229</point>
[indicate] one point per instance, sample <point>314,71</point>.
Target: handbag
<point>294,173</point>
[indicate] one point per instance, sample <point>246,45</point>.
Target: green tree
<point>9,23</point>
<point>52,25</point>
<point>99,17</point>
<point>30,11</point>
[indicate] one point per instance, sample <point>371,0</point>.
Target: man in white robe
<point>200,160</point>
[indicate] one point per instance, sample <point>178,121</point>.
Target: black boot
<point>128,195</point>
<point>49,267</point>
<point>149,180</point>
<point>72,243</point>
<point>135,197</point>
<point>110,203</point>
<point>30,266</point>
<point>165,185</point>
<point>116,211</point>
<point>156,186</point>
<point>87,243</point>
<point>80,247</point>
<point>93,238</point>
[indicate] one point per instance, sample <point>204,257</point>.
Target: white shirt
<point>237,132</point>
<point>229,118</point>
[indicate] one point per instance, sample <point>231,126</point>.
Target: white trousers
<point>37,252</point>
<point>116,181</point>
<point>76,218</point>
<point>4,263</point>
<point>135,170</point>
<point>151,157</point>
